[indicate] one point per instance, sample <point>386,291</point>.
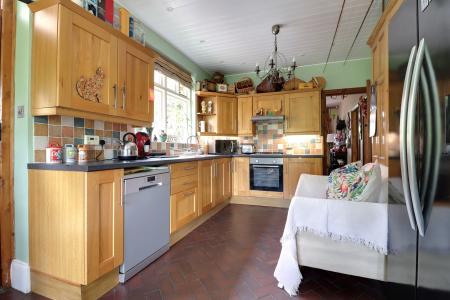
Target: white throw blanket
<point>362,223</point>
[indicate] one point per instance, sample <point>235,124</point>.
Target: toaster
<point>247,148</point>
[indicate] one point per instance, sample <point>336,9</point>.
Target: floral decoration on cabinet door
<point>91,88</point>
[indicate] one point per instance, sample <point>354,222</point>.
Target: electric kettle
<point>128,149</point>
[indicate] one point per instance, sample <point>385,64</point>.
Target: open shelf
<point>205,115</point>
<point>206,133</point>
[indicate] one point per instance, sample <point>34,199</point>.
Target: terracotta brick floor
<point>231,256</point>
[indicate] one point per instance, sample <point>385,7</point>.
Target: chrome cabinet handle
<point>422,214</point>
<point>403,145</point>
<point>115,96</point>
<point>124,97</point>
<point>189,168</point>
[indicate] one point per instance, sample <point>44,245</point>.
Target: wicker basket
<point>244,85</point>
<point>292,84</point>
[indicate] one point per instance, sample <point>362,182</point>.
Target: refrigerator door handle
<point>433,128</point>
<point>436,134</point>
<point>403,147</point>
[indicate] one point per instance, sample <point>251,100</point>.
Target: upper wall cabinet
<point>245,114</point>
<point>82,66</point>
<point>303,113</point>
<point>222,119</point>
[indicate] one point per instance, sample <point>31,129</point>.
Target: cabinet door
<point>206,187</point>
<point>241,176</point>
<point>294,167</point>
<point>245,114</point>
<point>223,179</point>
<point>135,83</point>
<point>227,115</point>
<point>273,103</point>
<point>104,222</point>
<point>303,113</point>
<point>85,50</point>
<point>183,208</point>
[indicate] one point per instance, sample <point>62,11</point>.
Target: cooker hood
<point>267,118</point>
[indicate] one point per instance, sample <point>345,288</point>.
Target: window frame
<point>166,92</point>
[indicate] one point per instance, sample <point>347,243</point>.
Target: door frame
<point>336,92</point>
<point>8,38</point>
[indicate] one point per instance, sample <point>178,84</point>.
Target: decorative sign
<point>91,89</point>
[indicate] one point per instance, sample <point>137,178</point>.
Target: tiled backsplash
<point>64,130</point>
<point>270,137</point>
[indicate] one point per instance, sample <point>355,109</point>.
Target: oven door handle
<point>266,166</point>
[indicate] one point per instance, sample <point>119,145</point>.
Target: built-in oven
<point>266,174</point>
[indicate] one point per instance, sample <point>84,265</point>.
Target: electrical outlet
<point>91,139</point>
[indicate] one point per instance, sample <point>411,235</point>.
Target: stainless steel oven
<point>266,174</point>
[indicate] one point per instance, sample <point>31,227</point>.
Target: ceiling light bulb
<point>202,41</point>
<point>170,9</point>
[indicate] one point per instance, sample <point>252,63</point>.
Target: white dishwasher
<point>146,219</point>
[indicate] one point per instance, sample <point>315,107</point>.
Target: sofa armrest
<point>313,186</point>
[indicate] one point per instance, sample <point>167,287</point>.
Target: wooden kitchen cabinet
<point>223,119</point>
<point>223,179</point>
<point>71,46</point>
<point>75,229</point>
<point>206,185</point>
<point>245,114</point>
<point>241,176</point>
<point>303,113</point>
<point>183,208</point>
<point>294,167</point>
<point>272,102</point>
<point>135,82</point>
<point>227,113</point>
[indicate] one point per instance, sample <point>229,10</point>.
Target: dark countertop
<point>156,161</point>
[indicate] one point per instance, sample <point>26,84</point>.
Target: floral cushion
<point>355,183</point>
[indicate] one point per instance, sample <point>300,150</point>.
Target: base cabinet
<point>223,179</point>
<point>183,208</point>
<point>241,176</point>
<point>293,168</point>
<point>75,225</point>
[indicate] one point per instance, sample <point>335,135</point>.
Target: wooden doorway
<point>364,144</point>
<point>7,50</point>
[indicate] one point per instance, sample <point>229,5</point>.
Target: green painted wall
<point>23,131</point>
<point>353,74</point>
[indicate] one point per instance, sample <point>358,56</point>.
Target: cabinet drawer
<point>183,183</point>
<point>183,169</point>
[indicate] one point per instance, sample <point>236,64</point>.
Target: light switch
<point>20,111</point>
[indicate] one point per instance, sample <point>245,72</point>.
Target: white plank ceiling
<point>232,35</point>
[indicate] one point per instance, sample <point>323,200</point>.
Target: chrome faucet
<point>189,140</point>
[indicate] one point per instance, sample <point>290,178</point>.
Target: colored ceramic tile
<point>40,142</point>
<point>109,154</point>
<point>54,120</point>
<point>78,141</point>
<point>55,141</point>
<point>116,134</point>
<point>108,126</point>
<point>40,129</point>
<point>67,121</point>
<point>41,119</point>
<point>123,127</point>
<point>99,125</point>
<point>39,155</point>
<point>89,131</point>
<point>100,133</point>
<point>88,123</point>
<point>79,132</point>
<point>116,126</point>
<point>78,122</point>
<point>67,131</point>
<point>54,130</point>
<point>107,133</point>
<point>67,141</point>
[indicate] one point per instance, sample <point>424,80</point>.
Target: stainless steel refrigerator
<point>419,88</point>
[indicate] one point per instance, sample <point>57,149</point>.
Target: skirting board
<point>20,276</point>
<point>261,201</point>
<point>179,234</point>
